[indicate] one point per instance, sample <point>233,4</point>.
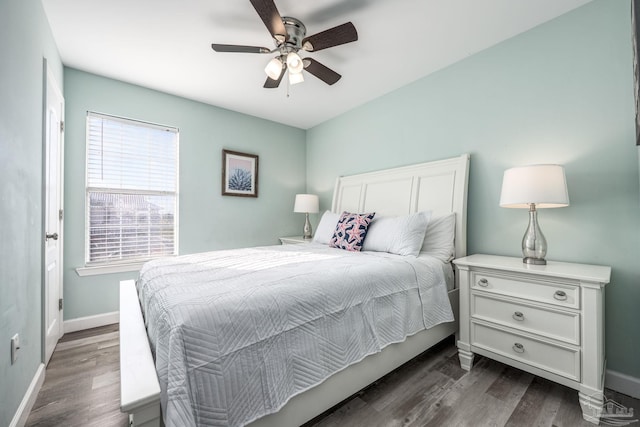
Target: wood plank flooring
<point>82,388</point>
<point>82,382</point>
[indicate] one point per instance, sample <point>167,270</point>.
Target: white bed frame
<point>439,186</point>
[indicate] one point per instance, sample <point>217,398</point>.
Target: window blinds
<point>132,189</point>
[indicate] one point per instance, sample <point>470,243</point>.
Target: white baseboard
<point>625,384</point>
<point>82,323</point>
<point>29,399</point>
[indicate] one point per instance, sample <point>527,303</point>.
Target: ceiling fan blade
<point>322,72</point>
<point>345,33</point>
<point>272,84</point>
<point>240,49</point>
<point>269,14</point>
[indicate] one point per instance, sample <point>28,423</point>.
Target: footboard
<point>139,387</point>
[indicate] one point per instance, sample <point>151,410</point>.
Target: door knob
<point>53,236</point>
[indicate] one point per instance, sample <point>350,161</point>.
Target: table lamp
<point>306,203</point>
<point>534,187</point>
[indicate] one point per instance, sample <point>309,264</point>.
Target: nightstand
<point>294,240</point>
<point>544,319</point>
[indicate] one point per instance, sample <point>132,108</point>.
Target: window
<point>131,190</point>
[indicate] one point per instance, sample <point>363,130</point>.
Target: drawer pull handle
<point>560,295</point>
<point>518,316</point>
<point>483,282</point>
<point>518,348</point>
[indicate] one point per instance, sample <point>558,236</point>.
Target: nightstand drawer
<point>564,361</point>
<point>536,290</point>
<point>541,320</point>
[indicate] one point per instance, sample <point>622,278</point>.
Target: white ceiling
<point>166,45</point>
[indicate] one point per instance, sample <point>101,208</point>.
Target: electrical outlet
<point>15,346</point>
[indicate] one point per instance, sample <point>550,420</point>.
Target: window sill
<point>108,269</point>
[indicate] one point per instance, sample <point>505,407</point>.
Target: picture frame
<point>239,174</point>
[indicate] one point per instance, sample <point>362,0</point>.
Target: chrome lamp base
<point>534,244</point>
<point>307,231</point>
<point>534,261</point>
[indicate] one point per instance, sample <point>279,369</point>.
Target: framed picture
<point>239,174</point>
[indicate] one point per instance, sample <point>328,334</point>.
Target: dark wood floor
<point>81,388</point>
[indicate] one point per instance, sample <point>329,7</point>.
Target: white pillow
<point>439,238</point>
<point>326,227</point>
<point>402,235</point>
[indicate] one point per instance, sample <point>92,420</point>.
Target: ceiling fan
<point>289,35</point>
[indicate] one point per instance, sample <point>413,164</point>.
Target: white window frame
<point>127,264</point>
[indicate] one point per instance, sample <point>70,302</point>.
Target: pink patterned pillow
<point>351,231</point>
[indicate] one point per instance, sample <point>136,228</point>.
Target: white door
<point>54,119</point>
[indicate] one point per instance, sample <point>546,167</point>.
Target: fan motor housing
<point>296,31</point>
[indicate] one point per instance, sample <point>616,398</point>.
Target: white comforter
<point>235,334</point>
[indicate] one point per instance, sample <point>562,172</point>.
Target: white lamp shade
<point>543,185</point>
<point>294,63</point>
<point>274,68</point>
<point>306,203</point>
<point>295,78</point>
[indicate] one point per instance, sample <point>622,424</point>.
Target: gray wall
<point>207,220</point>
<point>560,93</point>
<point>25,40</point>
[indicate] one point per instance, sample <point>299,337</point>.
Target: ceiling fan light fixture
<point>294,63</point>
<point>295,78</point>
<point>274,68</point>
<point>290,37</point>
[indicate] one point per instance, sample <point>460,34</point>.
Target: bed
<point>439,187</point>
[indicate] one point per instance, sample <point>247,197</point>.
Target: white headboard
<point>439,186</point>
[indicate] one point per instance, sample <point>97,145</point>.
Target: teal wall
<point>25,40</point>
<point>207,220</point>
<point>560,93</point>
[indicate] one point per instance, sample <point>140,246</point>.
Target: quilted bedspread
<point>237,333</point>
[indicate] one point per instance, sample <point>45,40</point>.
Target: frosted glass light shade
<point>306,203</point>
<point>543,185</point>
<point>294,63</point>
<point>274,68</point>
<point>295,78</point>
